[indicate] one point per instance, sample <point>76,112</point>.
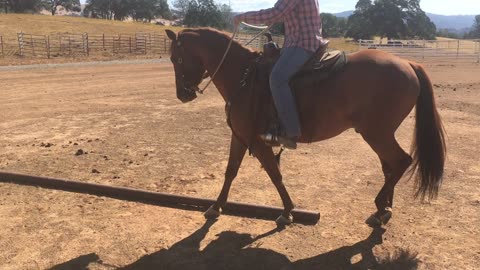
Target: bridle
<point>195,89</point>
<point>189,87</point>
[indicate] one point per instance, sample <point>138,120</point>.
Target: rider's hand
<point>237,20</point>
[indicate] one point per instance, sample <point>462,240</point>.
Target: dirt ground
<point>135,133</point>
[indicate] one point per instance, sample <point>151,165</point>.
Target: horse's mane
<point>221,39</point>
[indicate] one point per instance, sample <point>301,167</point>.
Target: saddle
<point>321,65</point>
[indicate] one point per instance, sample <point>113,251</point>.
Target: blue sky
<point>444,7</point>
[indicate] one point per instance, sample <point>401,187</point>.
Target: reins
<point>264,29</point>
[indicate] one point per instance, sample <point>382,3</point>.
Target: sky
<point>443,7</point>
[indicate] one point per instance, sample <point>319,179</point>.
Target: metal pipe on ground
<point>158,198</point>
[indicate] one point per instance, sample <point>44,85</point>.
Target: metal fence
<point>459,50</point>
<point>84,44</point>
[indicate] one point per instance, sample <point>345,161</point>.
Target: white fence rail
<point>461,50</point>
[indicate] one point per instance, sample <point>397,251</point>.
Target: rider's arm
<point>270,15</point>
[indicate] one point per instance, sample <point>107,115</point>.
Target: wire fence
<point>458,50</point>
<point>84,44</point>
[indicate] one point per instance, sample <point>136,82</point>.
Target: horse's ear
<point>171,34</point>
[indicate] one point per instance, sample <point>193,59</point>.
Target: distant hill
<point>456,22</point>
<point>344,14</point>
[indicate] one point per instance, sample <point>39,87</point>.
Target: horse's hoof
<point>373,221</point>
<point>211,213</point>
<point>378,221</point>
<point>385,218</point>
<point>284,221</point>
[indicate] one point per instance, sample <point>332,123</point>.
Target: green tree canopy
<point>475,33</point>
<point>391,19</point>
<point>333,26</point>
<point>202,13</point>
<point>69,5</point>
<point>21,6</point>
<point>359,24</point>
<point>121,9</point>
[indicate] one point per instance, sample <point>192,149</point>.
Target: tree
<point>203,13</point>
<point>388,18</point>
<point>22,6</point>
<point>181,7</point>
<point>73,5</point>
<point>359,24</point>
<point>475,33</point>
<point>391,19</point>
<point>149,9</point>
<point>333,26</point>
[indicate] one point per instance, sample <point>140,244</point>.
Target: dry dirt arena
<point>135,133</point>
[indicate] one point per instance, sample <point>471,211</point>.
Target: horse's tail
<point>428,146</point>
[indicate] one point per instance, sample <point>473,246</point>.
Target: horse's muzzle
<point>185,94</point>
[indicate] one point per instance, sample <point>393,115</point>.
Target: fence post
<point>458,47</point>
<point>33,45</point>
<point>47,46</point>
<point>478,54</point>
<point>424,48</point>
<point>1,44</point>
<point>165,44</point>
<point>359,44</point>
<point>20,42</point>
<point>130,44</point>
<point>103,41</point>
<point>85,44</point>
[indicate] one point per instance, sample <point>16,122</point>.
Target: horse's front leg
<point>267,158</point>
<point>237,152</point>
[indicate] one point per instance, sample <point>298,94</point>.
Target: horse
<point>372,94</point>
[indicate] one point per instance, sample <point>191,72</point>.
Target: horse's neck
<point>227,79</point>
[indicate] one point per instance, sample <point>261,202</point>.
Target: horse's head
<point>188,68</point>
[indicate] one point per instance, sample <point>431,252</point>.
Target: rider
<point>303,36</point>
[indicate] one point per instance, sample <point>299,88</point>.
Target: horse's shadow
<point>234,251</point>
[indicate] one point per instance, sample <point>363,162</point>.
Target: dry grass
<point>343,44</point>
<point>11,24</point>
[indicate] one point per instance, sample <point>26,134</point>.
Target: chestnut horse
<point>373,94</point>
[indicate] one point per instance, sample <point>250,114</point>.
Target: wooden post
<point>20,42</point>
<point>47,46</point>
<point>478,53</point>
<point>165,43</point>
<point>33,45</point>
<point>103,39</point>
<point>130,44</point>
<point>424,48</point>
<point>1,44</point>
<point>70,45</point>
<point>85,44</point>
<point>458,47</point>
<point>145,44</point>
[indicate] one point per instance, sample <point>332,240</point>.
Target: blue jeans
<point>290,61</point>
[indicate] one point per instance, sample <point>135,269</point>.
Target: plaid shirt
<point>303,26</point>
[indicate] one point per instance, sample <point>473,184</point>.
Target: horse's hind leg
<point>394,164</point>
<point>267,158</point>
<point>237,152</point>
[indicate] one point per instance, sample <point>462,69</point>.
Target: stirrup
<point>273,140</point>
